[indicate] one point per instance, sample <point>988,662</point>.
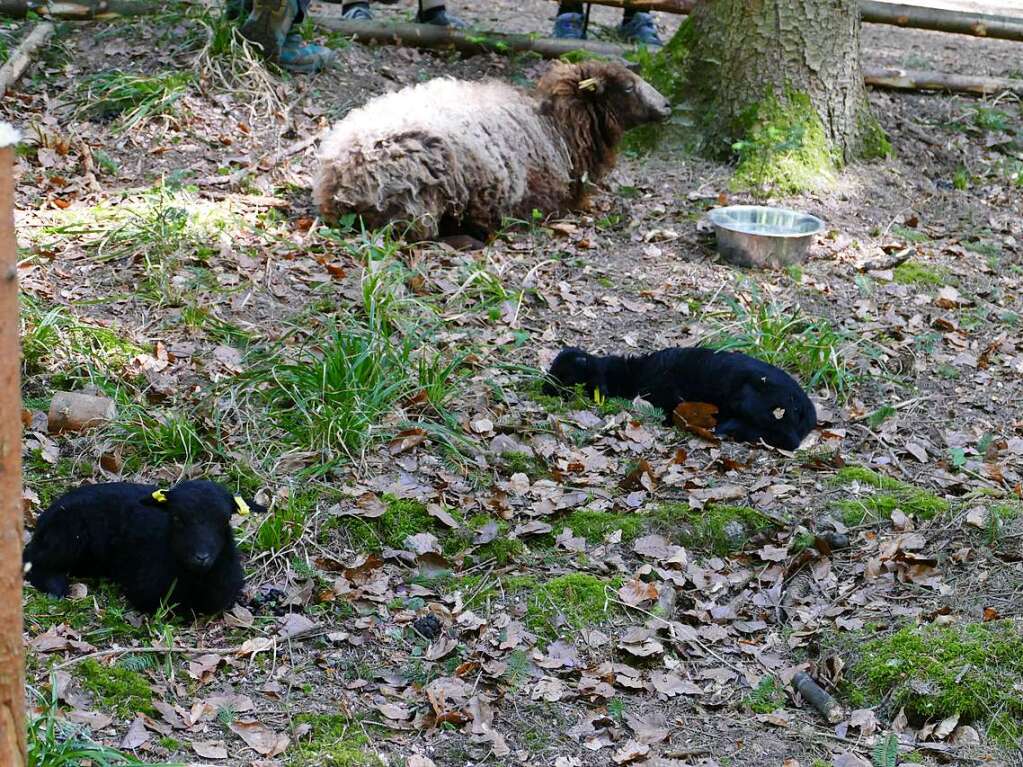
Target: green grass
<point>915,273</point>
<point>565,603</point>
<point>285,525</point>
<point>332,741</point>
<point>154,437</point>
<point>717,528</point>
<point>809,348</point>
<point>767,697</point>
<point>894,494</point>
<point>132,98</point>
<point>974,670</point>
<point>595,526</point>
<point>119,690</point>
<point>54,742</point>
<point>404,517</point>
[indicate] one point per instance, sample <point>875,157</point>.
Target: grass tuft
<point>133,99</point>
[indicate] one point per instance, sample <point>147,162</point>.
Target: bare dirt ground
<point>456,570</point>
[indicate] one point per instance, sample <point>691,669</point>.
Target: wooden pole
<point>16,65</point>
<point>76,10</point>
<point>918,80</point>
<point>429,36</point>
<point>12,661</point>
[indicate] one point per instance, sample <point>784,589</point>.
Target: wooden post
<point>12,661</point>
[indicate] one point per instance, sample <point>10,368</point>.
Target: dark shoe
<point>442,19</point>
<point>359,12</point>
<point>641,28</point>
<point>568,26</point>
<point>302,57</point>
<point>268,25</point>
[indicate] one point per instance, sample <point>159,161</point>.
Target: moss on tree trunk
<point>775,84</point>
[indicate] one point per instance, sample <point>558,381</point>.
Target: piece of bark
<point>19,60</point>
<point>74,411</point>
<point>817,697</point>
<point>76,10</point>
<point>923,80</point>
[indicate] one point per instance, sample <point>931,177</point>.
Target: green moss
<point>171,744</point>
<point>572,602</point>
<point>516,462</point>
<point>404,517</point>
<point>595,526</point>
<point>332,741</point>
<point>897,495</point>
<point>915,273</point>
<point>718,528</point>
<point>784,148</point>
<point>875,143</point>
<point>973,670</point>
<point>117,689</point>
<point>767,697</point>
<point>502,549</point>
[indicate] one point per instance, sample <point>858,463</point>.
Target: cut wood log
<point>919,80</point>
<point>471,43</point>
<point>12,665</point>
<point>75,411</point>
<point>76,10</point>
<point>817,697</point>
<point>16,65</point>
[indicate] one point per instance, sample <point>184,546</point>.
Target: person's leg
<point>434,12</point>
<point>269,26</point>
<point>356,11</point>
<point>568,24</point>
<point>640,27</point>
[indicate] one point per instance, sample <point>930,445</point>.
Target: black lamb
<point>162,546</point>
<point>756,401</point>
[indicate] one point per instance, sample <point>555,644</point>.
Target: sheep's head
<point>573,366</point>
<point>626,95</point>
<point>200,521</point>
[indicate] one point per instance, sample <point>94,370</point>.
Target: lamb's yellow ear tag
<point>160,496</point>
<point>589,84</point>
<point>243,508</point>
<point>598,397</point>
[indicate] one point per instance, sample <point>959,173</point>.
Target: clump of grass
<point>718,528</point>
<point>117,689</point>
<point>974,670</point>
<point>915,273</point>
<point>894,494</point>
<point>55,742</point>
<point>285,525</point>
<point>159,438</point>
<point>768,696</point>
<point>132,98</point>
<point>568,602</point>
<point>404,517</point>
<point>334,740</point>
<point>810,348</point>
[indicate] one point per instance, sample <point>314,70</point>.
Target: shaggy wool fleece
<point>451,156</point>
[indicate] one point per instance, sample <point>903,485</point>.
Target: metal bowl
<point>754,235</point>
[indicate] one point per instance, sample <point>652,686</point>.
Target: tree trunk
<point>12,666</point>
<point>777,83</point>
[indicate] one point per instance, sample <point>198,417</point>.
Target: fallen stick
<point>16,65</point>
<point>446,38</point>
<point>817,697</point>
<point>919,80</point>
<point>76,10</point>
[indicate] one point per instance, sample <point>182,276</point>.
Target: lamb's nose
<point>203,560</point>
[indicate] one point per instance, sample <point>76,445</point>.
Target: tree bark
<point>745,51</point>
<point>76,10</point>
<point>12,664</point>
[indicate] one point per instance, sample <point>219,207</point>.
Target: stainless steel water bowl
<point>755,235</point>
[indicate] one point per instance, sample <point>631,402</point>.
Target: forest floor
<point>455,569</point>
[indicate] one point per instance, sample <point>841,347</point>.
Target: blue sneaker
<point>268,25</point>
<point>568,26</point>
<point>359,12</point>
<point>641,28</point>
<point>441,19</point>
<point>302,57</point>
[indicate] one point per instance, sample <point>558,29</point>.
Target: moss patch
<point>784,149</point>
<point>896,495</point>
<point>117,689</point>
<point>875,143</point>
<point>717,528</point>
<point>502,549</point>
<point>403,518</point>
<point>973,670</point>
<point>767,697</point>
<point>595,526</point>
<point>570,601</point>
<point>915,273</point>
<point>332,741</point>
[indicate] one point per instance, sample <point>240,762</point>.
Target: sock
<point>570,8</point>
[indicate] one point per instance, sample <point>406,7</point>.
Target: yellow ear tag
<point>243,508</point>
<point>598,397</point>
<point>589,84</point>
<point>160,496</point>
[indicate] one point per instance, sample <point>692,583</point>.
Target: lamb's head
<point>573,366</point>
<point>200,521</point>
<point>605,85</point>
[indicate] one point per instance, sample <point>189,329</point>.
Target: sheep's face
<point>200,522</point>
<point>572,366</point>
<point>635,101</point>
